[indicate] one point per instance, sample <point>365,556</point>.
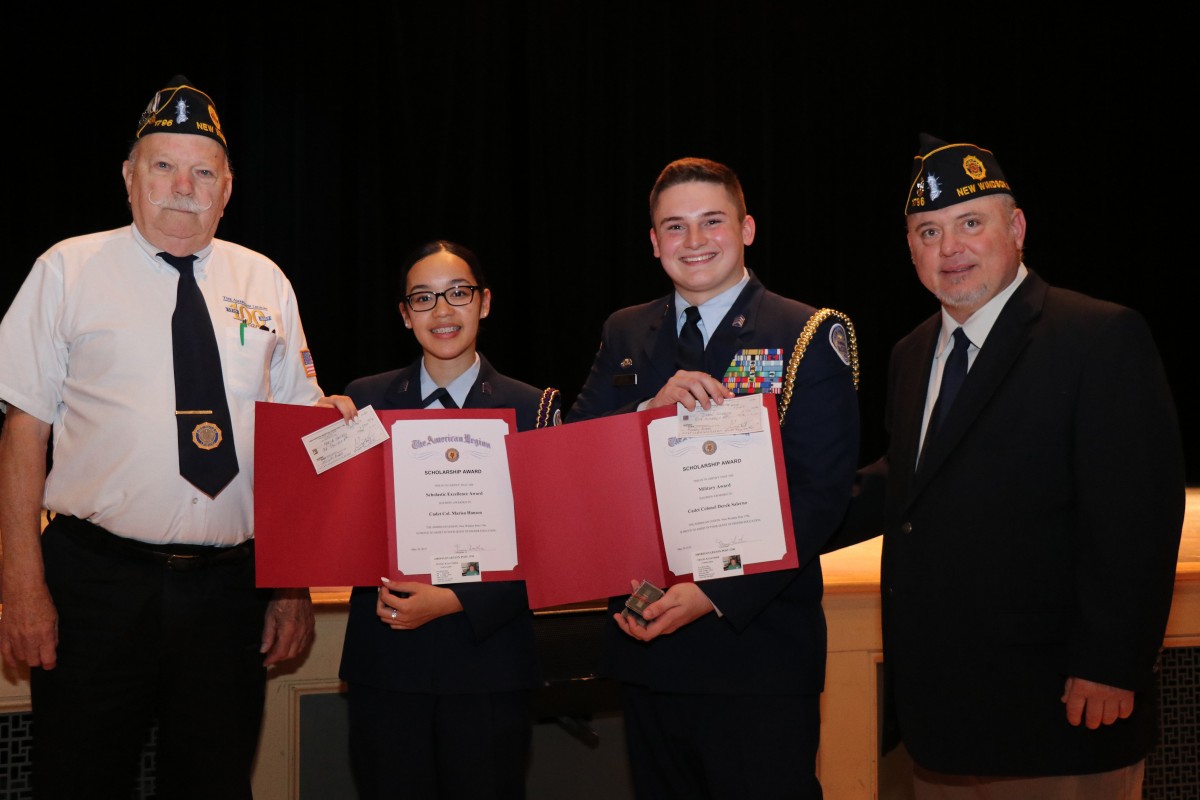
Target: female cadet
<point>440,678</point>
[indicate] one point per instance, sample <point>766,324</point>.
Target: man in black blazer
<point>1031,530</point>
<point>731,670</point>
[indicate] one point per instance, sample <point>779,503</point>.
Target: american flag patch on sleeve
<point>310,369</point>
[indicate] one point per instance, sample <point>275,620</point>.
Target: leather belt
<point>175,557</point>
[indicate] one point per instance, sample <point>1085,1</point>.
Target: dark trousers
<point>722,747</point>
<point>439,747</point>
<point>140,642</point>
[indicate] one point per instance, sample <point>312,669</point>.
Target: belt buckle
<point>181,563</point>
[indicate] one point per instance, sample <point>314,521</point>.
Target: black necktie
<point>440,394</point>
<point>952,379</point>
<point>690,354</point>
<point>207,457</point>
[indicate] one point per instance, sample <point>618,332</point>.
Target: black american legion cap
<point>945,174</point>
<point>181,108</point>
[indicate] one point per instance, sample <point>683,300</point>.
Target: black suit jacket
<point>489,646</point>
<point>1038,539</point>
<point>771,637</point>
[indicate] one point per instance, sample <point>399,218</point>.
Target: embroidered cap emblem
<point>974,168</point>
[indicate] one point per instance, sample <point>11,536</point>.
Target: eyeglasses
<point>460,295</point>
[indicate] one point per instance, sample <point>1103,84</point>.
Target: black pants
<point>722,747</point>
<point>439,746</point>
<point>140,642</point>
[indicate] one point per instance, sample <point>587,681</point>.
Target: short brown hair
<point>687,170</point>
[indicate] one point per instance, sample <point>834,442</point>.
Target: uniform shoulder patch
<point>840,342</point>
<point>310,369</point>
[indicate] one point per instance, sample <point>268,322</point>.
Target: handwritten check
<point>736,415</point>
<point>340,441</point>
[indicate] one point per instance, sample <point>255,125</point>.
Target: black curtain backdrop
<point>532,133</point>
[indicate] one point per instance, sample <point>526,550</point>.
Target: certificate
<point>717,496</point>
<point>595,503</point>
<point>333,527</point>
<point>606,500</point>
<point>451,504</point>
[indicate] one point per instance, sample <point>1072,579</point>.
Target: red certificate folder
<point>330,529</point>
<point>583,497</point>
<point>309,529</point>
<point>587,516</point>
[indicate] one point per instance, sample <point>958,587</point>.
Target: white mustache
<point>177,203</point>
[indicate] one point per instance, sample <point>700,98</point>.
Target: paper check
<point>340,441</point>
<point>736,415</point>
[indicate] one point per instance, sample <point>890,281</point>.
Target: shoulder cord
<point>544,417</point>
<point>806,335</point>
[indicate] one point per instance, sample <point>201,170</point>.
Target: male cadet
<point>730,671</point>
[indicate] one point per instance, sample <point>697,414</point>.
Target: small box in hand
<point>646,594</point>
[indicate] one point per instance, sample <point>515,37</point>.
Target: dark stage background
<point>532,132</point>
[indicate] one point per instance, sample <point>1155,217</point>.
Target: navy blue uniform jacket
<point>771,637</point>
<point>489,647</point>
<point>1038,539</point>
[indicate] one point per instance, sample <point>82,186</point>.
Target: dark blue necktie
<point>207,457</point>
<point>952,379</point>
<point>440,394</point>
<point>690,353</point>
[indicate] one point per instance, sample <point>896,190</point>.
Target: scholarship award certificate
<point>325,510</point>
<point>450,499</point>
<point>650,495</point>
<point>718,495</point>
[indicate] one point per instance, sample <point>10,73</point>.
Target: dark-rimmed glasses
<point>460,295</point>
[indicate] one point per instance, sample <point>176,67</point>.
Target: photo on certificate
<point>458,568</point>
<point>450,499</point>
<point>724,563</point>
